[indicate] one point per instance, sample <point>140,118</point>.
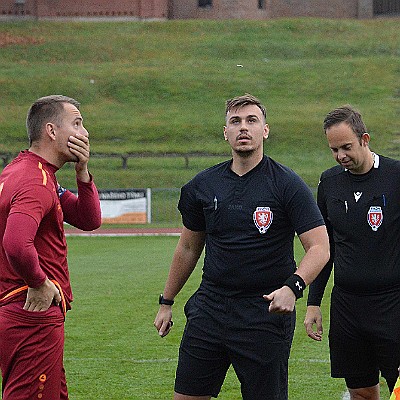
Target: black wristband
<point>296,283</point>
<point>167,302</point>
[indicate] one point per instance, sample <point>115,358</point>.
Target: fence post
<point>148,195</point>
<point>124,161</point>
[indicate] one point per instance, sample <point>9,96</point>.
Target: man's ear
<point>225,137</point>
<point>50,130</point>
<point>266,131</point>
<point>365,138</point>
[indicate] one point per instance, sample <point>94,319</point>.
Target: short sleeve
<point>191,208</point>
<point>303,210</point>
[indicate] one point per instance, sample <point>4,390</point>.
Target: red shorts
<point>31,353</point>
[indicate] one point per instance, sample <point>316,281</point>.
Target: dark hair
<point>242,101</point>
<point>348,115</point>
<point>44,110</point>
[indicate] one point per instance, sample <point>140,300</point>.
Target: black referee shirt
<point>362,214</point>
<point>250,222</point>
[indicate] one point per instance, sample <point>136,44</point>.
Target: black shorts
<point>364,337</point>
<point>222,331</point>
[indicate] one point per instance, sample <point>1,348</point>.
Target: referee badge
<point>263,217</point>
<point>375,217</point>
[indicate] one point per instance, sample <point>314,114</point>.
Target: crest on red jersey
<point>263,217</point>
<point>375,217</point>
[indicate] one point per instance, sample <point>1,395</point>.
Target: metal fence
<point>164,204</point>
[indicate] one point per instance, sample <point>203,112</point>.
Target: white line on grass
<point>346,395</point>
<point>133,360</point>
<point>164,360</point>
<point>310,360</point>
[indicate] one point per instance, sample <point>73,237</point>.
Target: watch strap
<point>167,302</point>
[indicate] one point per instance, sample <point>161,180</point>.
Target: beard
<point>244,152</point>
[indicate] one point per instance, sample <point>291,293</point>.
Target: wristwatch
<point>167,302</point>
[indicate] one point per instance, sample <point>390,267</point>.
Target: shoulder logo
<point>375,217</point>
<point>357,196</point>
<point>262,218</point>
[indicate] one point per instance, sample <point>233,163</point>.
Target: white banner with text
<point>125,206</point>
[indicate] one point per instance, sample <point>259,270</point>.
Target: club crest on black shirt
<point>375,217</point>
<point>263,217</point>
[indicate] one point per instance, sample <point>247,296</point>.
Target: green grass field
<point>112,349</point>
<point>160,86</point>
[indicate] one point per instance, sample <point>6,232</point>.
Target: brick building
<point>208,9</point>
<point>140,9</point>
<point>263,9</point>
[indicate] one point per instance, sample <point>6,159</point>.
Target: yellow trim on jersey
<point>43,173</point>
<point>25,287</point>
<point>14,292</point>
<point>63,302</point>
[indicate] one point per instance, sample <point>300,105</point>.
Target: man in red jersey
<point>35,290</point>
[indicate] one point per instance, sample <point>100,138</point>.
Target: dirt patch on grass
<point>9,39</point>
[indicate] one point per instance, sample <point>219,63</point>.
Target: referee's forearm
<point>312,263</point>
<point>186,255</point>
<point>316,245</point>
<point>179,273</point>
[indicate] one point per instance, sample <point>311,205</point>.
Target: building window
<point>381,7</point>
<point>205,3</point>
<point>261,4</point>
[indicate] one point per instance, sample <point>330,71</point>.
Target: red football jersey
<point>33,209</point>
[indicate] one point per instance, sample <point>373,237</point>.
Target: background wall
<point>192,9</point>
<point>261,9</point>
<point>85,8</point>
